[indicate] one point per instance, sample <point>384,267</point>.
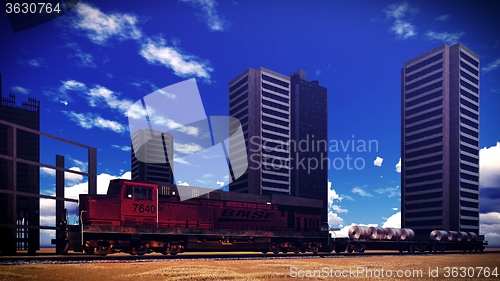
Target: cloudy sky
<point>90,65</point>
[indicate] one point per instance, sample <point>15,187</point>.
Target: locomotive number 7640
<point>141,208</point>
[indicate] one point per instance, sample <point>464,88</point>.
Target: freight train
<point>139,218</point>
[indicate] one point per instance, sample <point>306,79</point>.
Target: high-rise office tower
<point>440,140</point>
<point>309,128</point>
<point>27,176</point>
<point>260,99</point>
<point>277,113</point>
<point>159,167</point>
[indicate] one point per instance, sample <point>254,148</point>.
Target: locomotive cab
<point>125,204</point>
<point>139,204</point>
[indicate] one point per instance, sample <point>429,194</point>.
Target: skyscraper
<point>309,121</point>
<point>277,112</point>
<point>28,176</point>
<point>260,99</point>
<point>160,167</point>
<point>440,140</point>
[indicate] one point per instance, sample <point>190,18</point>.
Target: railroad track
<point>82,258</point>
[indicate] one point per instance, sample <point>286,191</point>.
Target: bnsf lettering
<point>141,208</point>
<point>246,214</point>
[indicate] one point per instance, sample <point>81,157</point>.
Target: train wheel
<point>164,251</point>
<point>362,249</point>
<point>421,249</point>
<point>89,251</point>
<point>141,250</point>
<point>264,252</point>
<point>103,250</point>
<point>174,249</point>
<point>296,250</point>
<point>412,249</point>
<point>349,249</point>
<point>274,249</point>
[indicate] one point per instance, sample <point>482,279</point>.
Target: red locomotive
<point>138,218</point>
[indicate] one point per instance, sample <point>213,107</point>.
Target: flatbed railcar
<point>419,245</point>
<point>362,238</point>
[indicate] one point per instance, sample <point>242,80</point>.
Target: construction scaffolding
<point>15,226</point>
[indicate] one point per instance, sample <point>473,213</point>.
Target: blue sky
<point>87,66</point>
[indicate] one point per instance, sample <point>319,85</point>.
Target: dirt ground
<point>346,268</point>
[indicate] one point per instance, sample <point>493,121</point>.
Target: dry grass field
<point>354,268</point>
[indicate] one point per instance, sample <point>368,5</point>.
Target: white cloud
<point>187,148</point>
<point>36,62</point>
<point>394,209</point>
<point>489,166</point>
<point>84,59</point>
<point>21,90</point>
<point>183,65</point>
<point>208,7</point>
<point>443,17</point>
<point>398,11</point>
<point>490,218</point>
<point>390,191</point>
<point>72,85</point>
<point>398,166</point>
<point>490,227</point>
<point>183,183</point>
<point>123,148</point>
<point>82,165</point>
<point>393,221</point>
<point>378,161</point>
<point>333,196</point>
<point>99,27</point>
<point>338,209</point>
<point>171,124</point>
<point>181,161</point>
<point>63,93</point>
<point>89,121</point>
<point>318,72</point>
<point>221,183</point>
<point>334,219</point>
<point>348,197</point>
<point>492,66</point>
<point>71,178</point>
<point>361,192</point>
<point>446,37</point>
<point>99,94</point>
<point>403,29</point>
<point>47,171</point>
